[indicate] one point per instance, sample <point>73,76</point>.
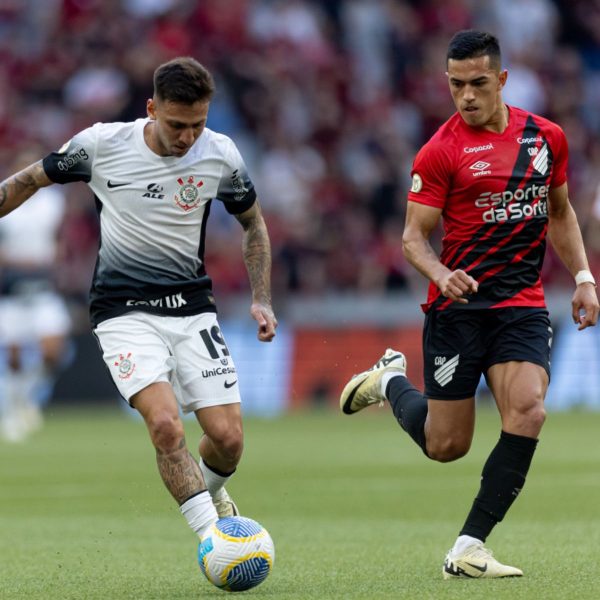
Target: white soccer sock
<point>462,543</point>
<point>14,401</point>
<point>31,379</point>
<point>213,481</point>
<point>10,425</point>
<point>199,512</point>
<point>385,379</point>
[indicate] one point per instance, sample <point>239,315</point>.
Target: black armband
<point>73,165</point>
<point>236,208</point>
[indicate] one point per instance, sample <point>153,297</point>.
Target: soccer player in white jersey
<point>34,321</point>
<point>151,303</point>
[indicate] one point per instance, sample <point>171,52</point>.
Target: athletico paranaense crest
<point>188,196</point>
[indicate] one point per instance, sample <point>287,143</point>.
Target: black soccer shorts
<point>461,344</point>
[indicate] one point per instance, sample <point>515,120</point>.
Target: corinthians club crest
<point>188,196</point>
<point>125,365</point>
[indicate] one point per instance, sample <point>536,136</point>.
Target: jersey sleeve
<point>431,176</point>
<point>235,190</point>
<point>73,162</point>
<point>561,158</point>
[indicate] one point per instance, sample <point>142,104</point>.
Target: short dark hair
<point>183,80</point>
<point>471,43</point>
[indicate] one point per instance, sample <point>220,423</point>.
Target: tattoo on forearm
<point>16,189</point>
<point>257,256</point>
<point>180,472</point>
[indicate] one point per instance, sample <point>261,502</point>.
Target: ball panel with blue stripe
<point>236,553</point>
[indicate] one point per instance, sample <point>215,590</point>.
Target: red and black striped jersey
<point>493,190</point>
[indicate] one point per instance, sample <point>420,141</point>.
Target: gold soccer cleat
<point>365,388</point>
<point>476,562</point>
<point>224,505</point>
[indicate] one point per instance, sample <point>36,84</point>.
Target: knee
<point>229,442</point>
<point>526,413</point>
<point>527,418</point>
<point>536,416</point>
<point>447,449</point>
<point>166,431</point>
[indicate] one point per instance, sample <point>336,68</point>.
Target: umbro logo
<point>481,168</point>
<point>111,184</point>
<point>228,385</point>
<point>445,372</point>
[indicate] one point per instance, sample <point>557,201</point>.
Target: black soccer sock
<point>410,408</point>
<point>502,479</point>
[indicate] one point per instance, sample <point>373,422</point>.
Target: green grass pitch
<point>354,508</point>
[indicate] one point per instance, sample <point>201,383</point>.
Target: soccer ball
<point>236,554</point>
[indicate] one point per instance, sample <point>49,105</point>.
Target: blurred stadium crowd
<point>328,101</point>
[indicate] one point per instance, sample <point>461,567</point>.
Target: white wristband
<point>584,277</point>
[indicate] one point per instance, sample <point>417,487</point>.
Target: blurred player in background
<point>152,306</point>
<point>496,175</point>
<point>34,321</point>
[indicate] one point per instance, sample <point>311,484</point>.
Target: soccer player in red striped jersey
<point>495,175</point>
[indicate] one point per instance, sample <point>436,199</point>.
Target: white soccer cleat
<point>224,505</point>
<point>13,430</point>
<point>476,562</point>
<point>364,389</point>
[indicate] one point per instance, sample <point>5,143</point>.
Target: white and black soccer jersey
<point>153,212</point>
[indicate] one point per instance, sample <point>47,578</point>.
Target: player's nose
<point>468,94</point>
<point>187,137</point>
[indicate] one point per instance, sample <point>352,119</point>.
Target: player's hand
<point>585,306</point>
<point>455,285</point>
<point>267,323</point>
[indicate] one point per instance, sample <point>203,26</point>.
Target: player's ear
<point>151,108</point>
<point>502,77</point>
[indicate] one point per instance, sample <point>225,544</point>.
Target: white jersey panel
<point>153,213</point>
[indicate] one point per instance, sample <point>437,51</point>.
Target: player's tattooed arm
<point>22,185</point>
<point>256,248</point>
<point>257,257</point>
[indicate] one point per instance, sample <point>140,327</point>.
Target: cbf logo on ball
<point>188,196</point>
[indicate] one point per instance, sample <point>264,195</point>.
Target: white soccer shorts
<point>188,352</point>
<point>25,319</point>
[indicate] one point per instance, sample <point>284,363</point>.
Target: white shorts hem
<point>144,385</point>
<point>197,404</point>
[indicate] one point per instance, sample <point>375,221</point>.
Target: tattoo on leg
<point>180,472</point>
